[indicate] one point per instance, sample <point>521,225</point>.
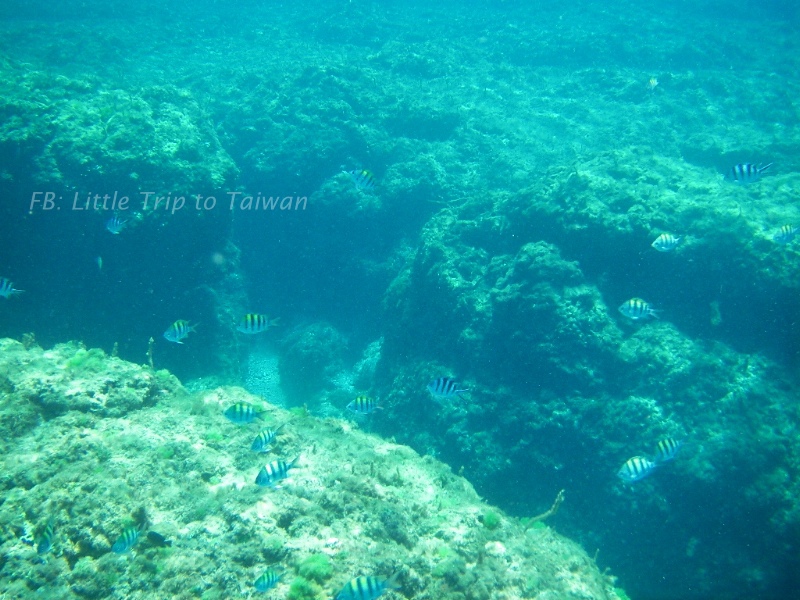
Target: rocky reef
<point>98,442</point>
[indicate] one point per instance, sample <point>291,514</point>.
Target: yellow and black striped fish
<point>785,234</point>
<point>45,542</point>
<point>362,179</point>
<point>666,242</point>
<point>666,449</point>
<point>126,540</point>
<point>178,331</point>
<point>366,588</point>
<point>635,468</point>
<point>264,439</point>
<point>273,472</point>
<point>638,309</point>
<point>364,405</point>
<point>241,413</point>
<point>7,288</point>
<point>255,323</point>
<point>268,580</point>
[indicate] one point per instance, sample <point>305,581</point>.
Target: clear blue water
<point>448,104</point>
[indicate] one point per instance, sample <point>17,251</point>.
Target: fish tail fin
<point>765,167</point>
<point>391,583</point>
<point>273,322</point>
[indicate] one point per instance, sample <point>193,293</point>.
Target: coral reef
<point>354,505</point>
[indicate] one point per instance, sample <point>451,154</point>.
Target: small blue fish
<point>366,588</point>
<point>667,449</point>
<point>7,288</point>
<point>666,242</point>
<point>362,179</point>
<point>268,580</point>
<point>363,405</point>
<point>445,387</point>
<point>638,309</point>
<point>635,468</point>
<point>45,542</point>
<point>127,540</point>
<point>273,472</point>
<point>241,413</point>
<point>785,234</point>
<point>253,323</point>
<point>747,172</point>
<point>115,224</point>
<point>264,439</point>
<point>178,331</point>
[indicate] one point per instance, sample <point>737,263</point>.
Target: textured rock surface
<point>368,505</point>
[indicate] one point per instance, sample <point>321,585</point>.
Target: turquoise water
<point>524,160</point>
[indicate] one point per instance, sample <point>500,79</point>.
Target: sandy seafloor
<point>524,159</point>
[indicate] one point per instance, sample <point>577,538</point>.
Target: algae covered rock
<point>353,505</point>
<point>71,378</point>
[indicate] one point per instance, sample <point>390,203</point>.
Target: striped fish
<point>366,588</point>
<point>666,449</point>
<point>638,309</point>
<point>747,172</point>
<point>635,468</point>
<point>445,387</point>
<point>178,331</point>
<point>666,242</point>
<point>785,234</point>
<point>115,225</point>
<point>127,540</point>
<point>363,405</point>
<point>45,542</point>
<point>264,439</point>
<point>268,580</point>
<point>7,288</point>
<point>254,323</point>
<point>273,472</point>
<point>241,413</point>
<point>362,179</point>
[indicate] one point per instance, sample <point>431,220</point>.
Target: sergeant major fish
<point>115,225</point>
<point>264,439</point>
<point>268,580</point>
<point>445,387</point>
<point>747,172</point>
<point>366,588</point>
<point>666,242</point>
<point>667,449</point>
<point>785,234</point>
<point>178,331</point>
<point>638,309</point>
<point>45,542</point>
<point>362,179</point>
<point>241,413</point>
<point>635,468</point>
<point>363,405</point>
<point>253,323</point>
<point>271,473</point>
<point>7,288</point>
<point>126,540</point>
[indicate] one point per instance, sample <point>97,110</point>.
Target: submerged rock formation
<point>125,442</point>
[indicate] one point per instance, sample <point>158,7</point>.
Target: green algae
<point>303,589</point>
<point>316,567</point>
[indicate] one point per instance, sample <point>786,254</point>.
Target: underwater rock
<point>354,504</point>
<point>311,357</point>
<point>71,378</point>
